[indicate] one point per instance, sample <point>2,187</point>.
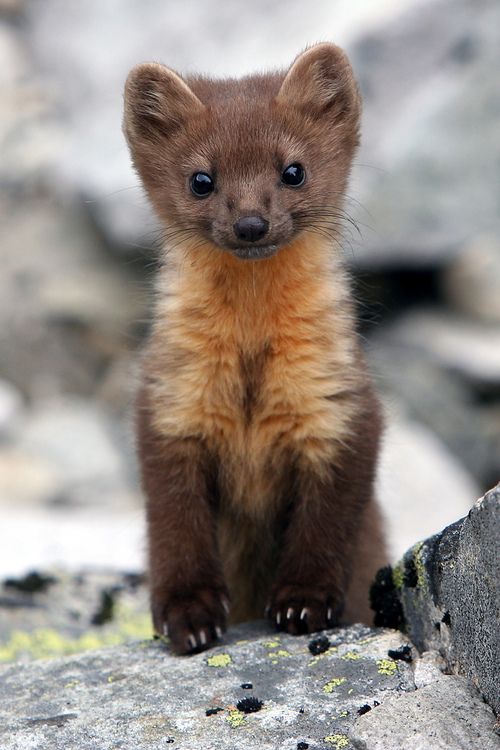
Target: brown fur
<point>257,429</point>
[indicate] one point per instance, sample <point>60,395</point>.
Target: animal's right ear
<point>157,102</point>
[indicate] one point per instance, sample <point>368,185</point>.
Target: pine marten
<point>257,426</point>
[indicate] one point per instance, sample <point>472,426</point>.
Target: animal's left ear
<point>321,81</point>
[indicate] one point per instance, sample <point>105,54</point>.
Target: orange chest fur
<point>253,363</point>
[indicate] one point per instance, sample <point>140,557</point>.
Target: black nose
<point>251,228</point>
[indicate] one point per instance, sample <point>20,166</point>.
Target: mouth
<point>258,252</point>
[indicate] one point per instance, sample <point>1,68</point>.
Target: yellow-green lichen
<point>333,683</point>
<point>235,718</point>
<point>281,653</point>
<point>417,553</point>
<point>43,643</point>
<point>339,741</point>
<point>387,667</point>
<point>219,660</point>
<point>351,656</point>
<point>272,644</point>
<point>398,575</point>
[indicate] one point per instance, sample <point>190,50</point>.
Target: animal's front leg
<point>189,598</point>
<point>320,542</point>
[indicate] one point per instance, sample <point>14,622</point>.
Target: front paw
<point>193,621</point>
<point>304,609</point>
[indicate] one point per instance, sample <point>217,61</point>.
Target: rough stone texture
<point>139,697</point>
<point>447,715</point>
<point>370,690</point>
<point>450,591</point>
<point>142,697</point>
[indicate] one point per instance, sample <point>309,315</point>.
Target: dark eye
<point>202,184</point>
<point>294,175</point>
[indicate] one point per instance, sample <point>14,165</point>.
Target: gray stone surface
<point>459,345</point>
<point>442,401</point>
<point>450,591</point>
<point>140,697</point>
<point>360,694</point>
<point>427,174</point>
<point>447,715</point>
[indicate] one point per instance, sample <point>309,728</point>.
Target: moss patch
<point>339,741</point>
<point>219,660</point>
<point>44,643</point>
<point>332,684</point>
<point>351,656</point>
<point>235,718</point>
<point>387,667</point>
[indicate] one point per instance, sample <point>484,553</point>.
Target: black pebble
<point>319,645</point>
<point>446,618</point>
<point>403,653</point>
<point>212,711</point>
<point>302,745</point>
<point>249,705</point>
<point>376,703</point>
<point>246,686</point>
<point>364,709</point>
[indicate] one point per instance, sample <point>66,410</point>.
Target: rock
<point>370,690</point>
<point>73,308</point>
<point>450,591</point>
<point>469,349</point>
<point>471,282</point>
<point>141,697</point>
<point>439,398</point>
<point>422,487</point>
<point>447,714</point>
<point>11,405</point>
<point>426,175</point>
<point>46,615</point>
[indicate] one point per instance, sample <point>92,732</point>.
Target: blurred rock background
<point>78,247</point>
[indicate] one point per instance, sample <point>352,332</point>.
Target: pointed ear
<point>321,81</point>
<point>157,102</point>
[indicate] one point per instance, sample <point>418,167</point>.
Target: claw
<point>329,614</point>
<point>303,614</point>
<point>225,604</point>
<point>218,632</point>
<point>289,613</point>
<point>203,637</point>
<point>278,618</point>
<point>165,629</point>
<point>192,642</point>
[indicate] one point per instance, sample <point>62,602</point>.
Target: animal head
<point>245,165</point>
